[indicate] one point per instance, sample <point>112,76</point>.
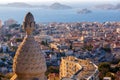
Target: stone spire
<point>29,61</point>
<point>28,24</point>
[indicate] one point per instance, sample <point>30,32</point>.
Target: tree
<point>88,47</point>
<point>1,50</point>
<point>71,47</point>
<point>8,36</point>
<point>109,74</point>
<point>14,48</point>
<point>52,69</point>
<point>103,68</point>
<point>18,40</point>
<point>106,49</point>
<point>104,65</point>
<point>43,43</point>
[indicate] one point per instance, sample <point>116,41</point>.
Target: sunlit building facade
<point>72,68</point>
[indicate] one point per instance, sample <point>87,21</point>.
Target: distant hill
<point>105,6</point>
<point>117,6</point>
<point>18,4</point>
<point>52,6</point>
<point>84,11</point>
<point>59,6</point>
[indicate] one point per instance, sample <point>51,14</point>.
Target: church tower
<point>29,61</point>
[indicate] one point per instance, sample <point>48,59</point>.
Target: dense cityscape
<point>60,40</point>
<point>94,44</point>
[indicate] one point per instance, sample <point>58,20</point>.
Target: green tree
<point>18,40</point>
<point>88,47</point>
<point>106,49</point>
<point>45,43</point>
<point>103,68</point>
<point>14,48</point>
<point>52,69</point>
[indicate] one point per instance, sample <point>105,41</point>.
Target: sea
<point>66,15</point>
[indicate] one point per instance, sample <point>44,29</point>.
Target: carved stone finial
<point>29,23</point>
<point>29,61</point>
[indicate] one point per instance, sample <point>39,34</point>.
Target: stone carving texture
<point>29,62</point>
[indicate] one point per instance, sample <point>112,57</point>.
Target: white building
<point>107,78</point>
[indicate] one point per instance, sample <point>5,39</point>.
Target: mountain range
<point>25,5</point>
<point>108,6</point>
<point>58,6</point>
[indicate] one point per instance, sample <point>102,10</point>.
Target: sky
<point>28,1</point>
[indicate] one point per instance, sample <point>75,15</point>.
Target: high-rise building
<point>0,23</point>
<point>118,30</point>
<point>0,27</point>
<point>72,68</point>
<point>9,22</point>
<point>29,62</point>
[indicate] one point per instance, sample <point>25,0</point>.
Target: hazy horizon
<point>65,15</point>
<point>61,1</point>
<point>72,3</point>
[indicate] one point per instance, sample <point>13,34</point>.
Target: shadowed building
<point>29,62</point>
